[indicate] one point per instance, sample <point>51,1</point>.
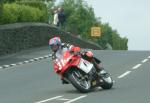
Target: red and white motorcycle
<point>81,73</point>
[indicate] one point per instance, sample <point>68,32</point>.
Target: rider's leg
<point>97,64</point>
<point>88,55</point>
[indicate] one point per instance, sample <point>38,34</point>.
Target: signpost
<point>95,31</point>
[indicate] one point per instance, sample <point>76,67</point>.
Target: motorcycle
<point>81,73</point>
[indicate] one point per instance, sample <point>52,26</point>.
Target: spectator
<point>61,18</point>
<point>55,21</point>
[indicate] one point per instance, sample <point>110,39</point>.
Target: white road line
<point>31,60</point>
<point>149,57</point>
<point>26,61</point>
<point>46,56</point>
<point>63,99</point>
<point>75,99</point>
<point>41,57</point>
<point>20,63</point>
<point>6,66</point>
<point>124,74</point>
<point>13,64</point>
<point>145,60</point>
<point>46,100</point>
<point>137,66</point>
<point>36,58</point>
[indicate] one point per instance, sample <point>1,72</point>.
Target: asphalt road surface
<point>36,82</point>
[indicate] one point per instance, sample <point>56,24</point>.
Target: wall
<point>20,36</point>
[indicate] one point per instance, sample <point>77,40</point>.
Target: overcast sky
<point>131,18</point>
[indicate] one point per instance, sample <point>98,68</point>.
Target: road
<point>36,82</point>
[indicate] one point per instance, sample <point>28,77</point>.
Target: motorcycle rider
<point>58,48</point>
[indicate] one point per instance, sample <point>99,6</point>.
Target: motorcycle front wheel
<point>79,81</point>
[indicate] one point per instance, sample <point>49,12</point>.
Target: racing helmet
<point>55,43</point>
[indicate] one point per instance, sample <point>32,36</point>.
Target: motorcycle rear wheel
<point>107,81</point>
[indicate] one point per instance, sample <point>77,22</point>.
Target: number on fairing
<point>62,63</point>
<point>60,66</point>
<point>85,65</point>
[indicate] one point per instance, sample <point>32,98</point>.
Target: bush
<point>13,13</point>
<point>35,4</point>
<point>28,14</point>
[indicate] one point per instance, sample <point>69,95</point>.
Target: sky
<point>131,18</point>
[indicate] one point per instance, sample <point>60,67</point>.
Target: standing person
<point>55,21</point>
<point>61,18</point>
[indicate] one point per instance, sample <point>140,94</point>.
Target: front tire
<point>78,80</point>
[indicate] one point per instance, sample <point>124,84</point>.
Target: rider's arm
<point>75,49</point>
<point>70,47</point>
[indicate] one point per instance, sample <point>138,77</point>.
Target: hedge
<point>13,13</point>
<point>36,4</point>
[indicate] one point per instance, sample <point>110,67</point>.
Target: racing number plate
<point>85,65</point>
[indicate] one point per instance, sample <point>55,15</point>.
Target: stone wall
<point>20,36</point>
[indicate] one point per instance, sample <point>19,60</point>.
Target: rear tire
<point>107,81</point>
<point>75,76</point>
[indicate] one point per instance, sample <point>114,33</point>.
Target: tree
<point>1,8</point>
<point>8,1</point>
<point>80,19</point>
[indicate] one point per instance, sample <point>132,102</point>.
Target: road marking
<point>20,63</point>
<point>46,100</point>
<point>145,60</point>
<point>36,58</point>
<point>124,74</point>
<point>41,57</point>
<point>149,57</point>
<point>46,56</point>
<point>75,99</point>
<point>31,60</point>
<point>137,66</point>
<point>6,66</point>
<point>26,61</point>
<point>13,64</point>
<point>63,99</point>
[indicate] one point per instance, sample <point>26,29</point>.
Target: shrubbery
<point>13,13</point>
<point>35,4</point>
